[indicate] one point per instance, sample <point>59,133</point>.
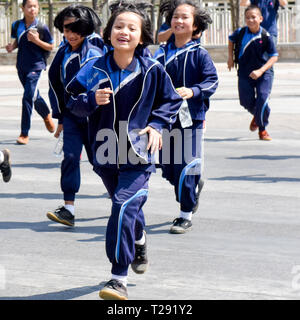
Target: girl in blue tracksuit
<point>78,24</point>
<point>34,43</point>
<point>194,75</point>
<point>129,100</point>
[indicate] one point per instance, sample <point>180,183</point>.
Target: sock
<point>71,208</point>
<point>122,279</point>
<point>1,157</point>
<point>141,241</point>
<point>186,215</point>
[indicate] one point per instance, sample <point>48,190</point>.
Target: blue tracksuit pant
<point>128,189</point>
<point>184,168</point>
<point>31,97</point>
<point>254,96</point>
<point>75,136</point>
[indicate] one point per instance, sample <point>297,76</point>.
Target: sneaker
<point>23,139</point>
<point>49,124</point>
<point>263,135</point>
<point>5,166</point>
<point>113,290</point>
<point>181,225</point>
<point>140,263</point>
<point>253,125</point>
<point>199,188</point>
<point>62,215</point>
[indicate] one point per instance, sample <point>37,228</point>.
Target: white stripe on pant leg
<point>36,89</point>
<point>191,167</point>
<point>263,111</point>
<point>188,149</point>
<point>139,193</point>
<point>202,150</point>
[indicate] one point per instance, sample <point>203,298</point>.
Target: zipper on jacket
<point>114,104</point>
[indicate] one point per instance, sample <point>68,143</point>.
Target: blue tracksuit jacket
<point>191,67</point>
<point>143,95</point>
<point>58,96</point>
<point>64,67</point>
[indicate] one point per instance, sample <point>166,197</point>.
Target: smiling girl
<point>129,99</point>
<point>195,77</point>
<point>77,23</point>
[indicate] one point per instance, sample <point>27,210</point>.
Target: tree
<point>50,16</point>
<point>235,13</point>
<point>95,4</point>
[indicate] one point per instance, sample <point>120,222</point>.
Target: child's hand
<point>9,48</point>
<point>33,35</point>
<point>255,74</point>
<point>102,96</point>
<point>155,139</point>
<point>185,93</point>
<point>59,129</point>
<point>230,63</point>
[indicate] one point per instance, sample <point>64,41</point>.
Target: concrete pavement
<point>246,234</point>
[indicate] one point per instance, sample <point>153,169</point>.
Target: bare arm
<point>255,74</point>
<point>11,46</point>
<point>283,3</point>
<point>163,36</point>
<point>33,36</point>
<point>230,62</point>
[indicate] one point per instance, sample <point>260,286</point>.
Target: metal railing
<point>217,34</point>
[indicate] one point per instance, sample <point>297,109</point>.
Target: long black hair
<point>137,7</point>
<point>86,20</point>
<point>201,16</point>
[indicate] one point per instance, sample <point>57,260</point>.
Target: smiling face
<point>31,9</point>
<point>182,22</point>
<point>126,32</point>
<point>253,20</point>
<point>75,40</point>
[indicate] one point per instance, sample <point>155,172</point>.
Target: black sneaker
<point>140,263</point>
<point>5,167</point>
<point>62,215</point>
<point>113,290</point>
<point>180,225</point>
<point>199,188</point>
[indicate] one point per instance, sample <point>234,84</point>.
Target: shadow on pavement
<point>58,196</point>
<point>59,295</point>
<point>266,157</point>
<point>258,177</point>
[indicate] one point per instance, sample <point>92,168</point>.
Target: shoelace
<point>114,283</point>
<point>58,209</point>
<point>179,220</point>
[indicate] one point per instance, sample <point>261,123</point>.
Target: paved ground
<point>246,235</point>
